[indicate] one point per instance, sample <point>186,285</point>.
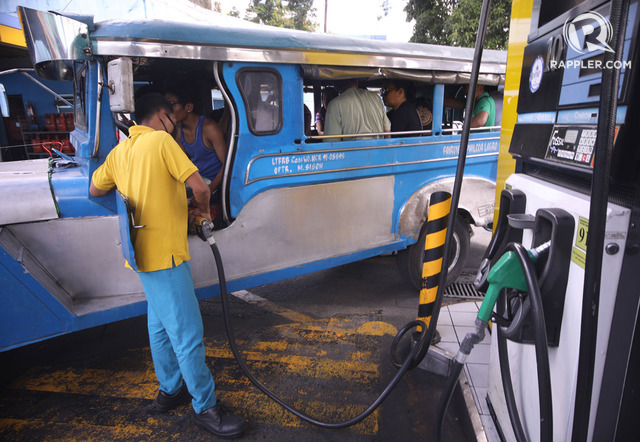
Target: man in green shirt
<point>484,109</point>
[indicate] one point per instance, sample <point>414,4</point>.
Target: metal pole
<point>326,7</point>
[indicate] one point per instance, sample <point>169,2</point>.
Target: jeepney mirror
<point>4,101</point>
<point>120,85</point>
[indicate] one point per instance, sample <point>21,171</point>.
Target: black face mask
<point>165,126</point>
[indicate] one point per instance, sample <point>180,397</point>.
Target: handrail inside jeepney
<point>98,111</point>
<point>232,136</point>
<point>395,134</point>
<point>24,71</point>
<point>370,134</point>
<point>473,129</point>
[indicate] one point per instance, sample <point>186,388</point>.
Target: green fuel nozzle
<point>507,273</point>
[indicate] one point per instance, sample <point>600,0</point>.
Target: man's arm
<point>214,138</point>
<point>480,119</point>
<point>95,192</point>
<point>201,194</point>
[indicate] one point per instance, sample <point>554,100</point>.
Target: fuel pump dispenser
<point>577,181</point>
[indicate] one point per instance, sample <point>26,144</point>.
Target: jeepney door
<point>270,110</point>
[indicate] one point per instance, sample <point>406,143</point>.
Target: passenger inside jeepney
<point>423,107</point>
<point>400,97</point>
<point>201,139</point>
<point>356,111</point>
<point>328,94</point>
<point>484,107</point>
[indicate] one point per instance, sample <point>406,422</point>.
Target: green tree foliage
<point>455,22</point>
<point>292,14</point>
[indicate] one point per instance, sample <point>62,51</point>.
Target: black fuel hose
<point>447,394</point>
<point>542,355</point>
<point>507,386</point>
<point>407,365</point>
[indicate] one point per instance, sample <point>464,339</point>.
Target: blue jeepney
<point>292,203</point>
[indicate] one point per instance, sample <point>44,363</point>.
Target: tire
<point>410,260</point>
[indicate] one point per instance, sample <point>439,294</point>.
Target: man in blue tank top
<point>201,139</point>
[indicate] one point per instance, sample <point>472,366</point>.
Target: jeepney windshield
<point>80,95</point>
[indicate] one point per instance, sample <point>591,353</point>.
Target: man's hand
<point>197,212</point>
<point>201,194</point>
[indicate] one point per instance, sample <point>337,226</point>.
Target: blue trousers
<point>175,334</point>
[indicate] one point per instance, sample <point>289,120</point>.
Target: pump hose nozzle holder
<point>514,270</point>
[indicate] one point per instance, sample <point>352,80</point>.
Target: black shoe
<point>166,402</point>
<point>221,421</point>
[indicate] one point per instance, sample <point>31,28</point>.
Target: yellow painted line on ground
<point>302,352</point>
<point>308,348</point>
<point>316,367</point>
<point>126,384</point>
<point>143,384</point>
<point>264,410</point>
<point>377,328</point>
<point>292,315</point>
<point>78,430</point>
<point>335,329</point>
<point>261,408</point>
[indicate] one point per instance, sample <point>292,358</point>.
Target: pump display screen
<point>572,144</point>
<point>550,9</point>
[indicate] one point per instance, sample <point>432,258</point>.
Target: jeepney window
<point>80,95</point>
<point>262,94</point>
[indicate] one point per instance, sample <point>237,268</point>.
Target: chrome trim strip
<point>232,141</point>
<point>104,46</point>
<point>349,149</point>
<point>376,166</point>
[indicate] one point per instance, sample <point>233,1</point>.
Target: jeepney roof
<point>276,45</point>
<point>55,41</point>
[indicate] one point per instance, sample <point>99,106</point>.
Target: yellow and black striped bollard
<point>439,206</point>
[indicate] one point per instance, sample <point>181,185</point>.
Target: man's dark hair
<point>408,87</point>
<point>344,84</point>
<point>186,95</point>
<point>147,105</point>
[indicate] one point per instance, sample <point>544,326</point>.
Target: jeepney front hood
<point>55,42</point>
<point>25,194</point>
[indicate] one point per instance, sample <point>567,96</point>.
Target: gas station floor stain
<point>99,384</point>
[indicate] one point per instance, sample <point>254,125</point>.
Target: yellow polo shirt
<point>150,169</point>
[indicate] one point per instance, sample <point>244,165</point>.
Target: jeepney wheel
<point>410,260</point>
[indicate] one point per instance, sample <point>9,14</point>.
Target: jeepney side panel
<point>31,313</point>
<point>266,166</point>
